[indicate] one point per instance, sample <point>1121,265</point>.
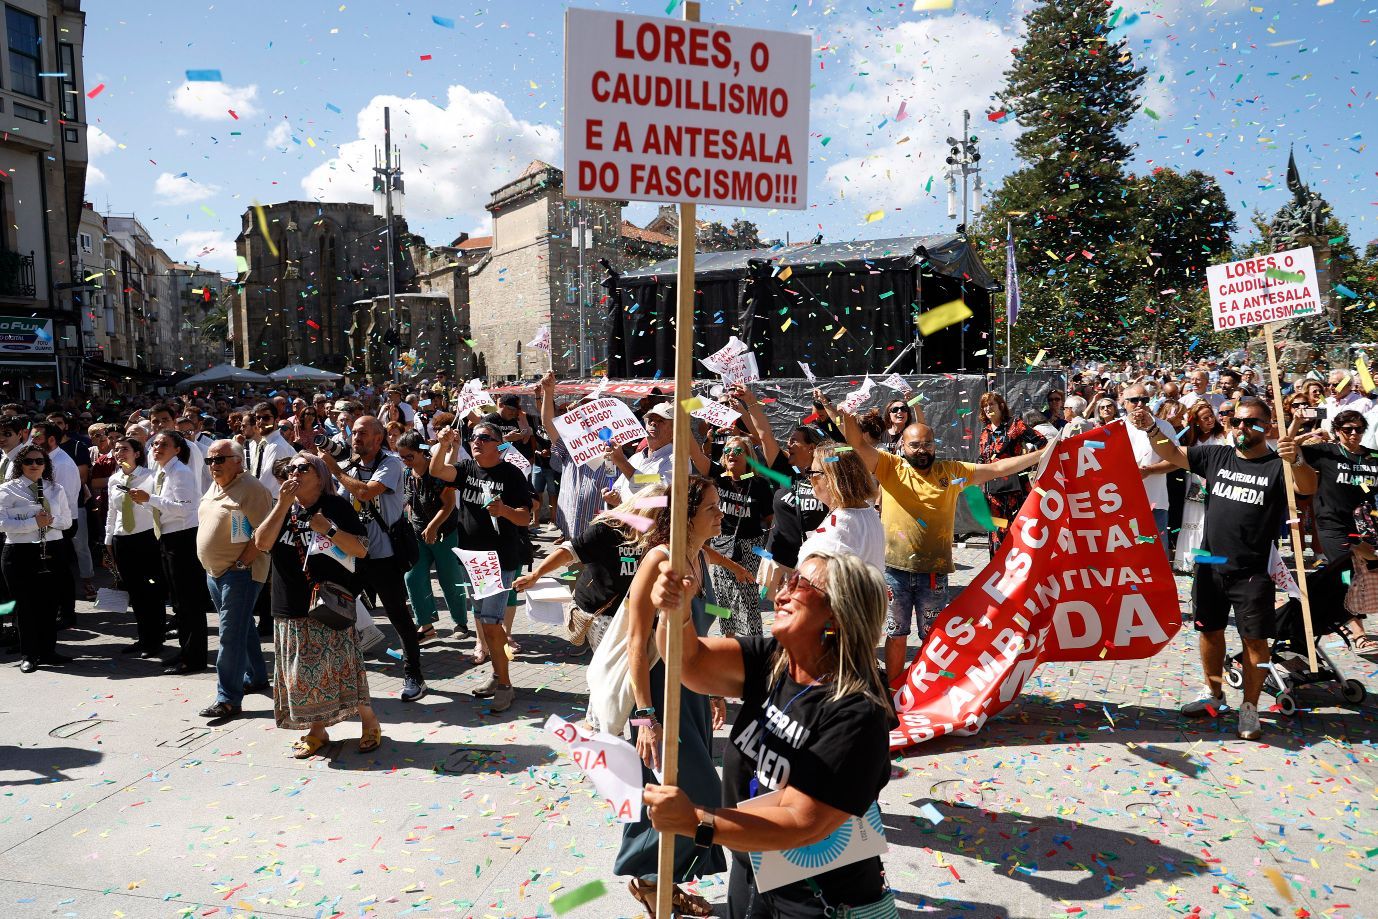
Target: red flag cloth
<point>1080,577</point>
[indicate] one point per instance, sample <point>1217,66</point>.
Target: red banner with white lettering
<point>1081,576</point>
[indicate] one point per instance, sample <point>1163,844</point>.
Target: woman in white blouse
<point>852,525</point>
<point>173,500</point>
<point>133,548</point>
<point>33,514</point>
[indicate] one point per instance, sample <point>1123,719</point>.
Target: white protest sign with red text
<point>1266,288</point>
<point>698,113</point>
<point>1076,579</point>
<point>610,762</point>
<point>581,429</point>
<point>485,573</point>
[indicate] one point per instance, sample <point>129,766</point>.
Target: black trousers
<point>382,578</point>
<point>34,584</point>
<point>186,585</point>
<point>141,570</point>
<point>263,607</point>
<point>67,559</point>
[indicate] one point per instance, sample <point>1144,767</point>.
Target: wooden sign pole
<point>679,523</point>
<point>1293,521</point>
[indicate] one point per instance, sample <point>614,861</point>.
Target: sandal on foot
<point>308,746</point>
<point>426,634</point>
<point>644,892</point>
<point>682,902</point>
<point>1364,646</point>
<point>371,740</point>
<point>479,657</point>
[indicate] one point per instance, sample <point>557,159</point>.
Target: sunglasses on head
<point>217,460</point>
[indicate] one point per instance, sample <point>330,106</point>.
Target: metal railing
<point>17,275</point>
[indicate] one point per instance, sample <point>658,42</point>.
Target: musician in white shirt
<point>162,419</point>
<point>266,445</point>
<point>132,545</point>
<point>34,512</point>
<point>174,499</point>
<point>48,435</point>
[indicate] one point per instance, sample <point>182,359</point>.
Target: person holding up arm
<point>1246,503</point>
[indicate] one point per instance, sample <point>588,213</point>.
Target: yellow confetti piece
<point>263,228</point>
<point>922,6</point>
<point>645,478</point>
<point>692,405</point>
<point>785,275</point>
<point>940,317</point>
<point>1365,378</point>
<point>1042,353</point>
<point>874,216</point>
<point>1279,883</point>
<point>840,332</point>
<point>788,323</point>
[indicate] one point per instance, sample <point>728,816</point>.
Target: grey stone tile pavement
<point>1090,795</point>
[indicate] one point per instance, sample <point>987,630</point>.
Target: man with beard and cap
<point>918,503</point>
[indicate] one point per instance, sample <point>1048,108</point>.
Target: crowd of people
<point>297,516</point>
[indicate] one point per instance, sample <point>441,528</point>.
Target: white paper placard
<point>546,602</point>
<point>716,414</point>
<point>610,762</point>
<point>856,839</point>
<point>1266,288</point>
<point>485,573</point>
<point>580,427</point>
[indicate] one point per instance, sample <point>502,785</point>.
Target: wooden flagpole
<point>1293,521</point>
<point>679,522</point>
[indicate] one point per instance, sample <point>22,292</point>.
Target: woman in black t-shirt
<point>1347,473</point>
<point>829,719</point>
<point>745,499</point>
<point>898,416</point>
<point>318,673</point>
<point>431,510</point>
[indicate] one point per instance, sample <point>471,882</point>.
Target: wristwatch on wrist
<point>330,533</point>
<point>708,826</point>
<point>240,564</point>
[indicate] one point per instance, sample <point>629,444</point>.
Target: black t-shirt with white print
<point>745,504</point>
<point>480,531</point>
<point>1343,477</point>
<point>836,752</point>
<point>1246,503</point>
<point>797,511</point>
<point>610,561</point>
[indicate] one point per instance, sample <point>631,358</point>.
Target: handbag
<point>1362,597</point>
<point>609,673</point>
<point>579,622</point>
<point>332,605</point>
<point>1005,485</point>
<point>405,547</point>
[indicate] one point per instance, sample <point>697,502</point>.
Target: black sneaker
<point>221,711</point>
<point>412,689</point>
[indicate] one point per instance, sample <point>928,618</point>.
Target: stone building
<point>43,158</point>
<point>294,306</point>
<point>530,276</point>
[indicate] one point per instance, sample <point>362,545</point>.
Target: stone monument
<point>1304,343</point>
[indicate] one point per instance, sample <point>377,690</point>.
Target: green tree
<point>1073,89</point>
<point>1186,223</point>
<point>718,237</point>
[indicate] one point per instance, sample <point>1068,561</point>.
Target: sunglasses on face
<point>33,461</point>
<point>1350,429</point>
<point>898,410</point>
<point>217,460</point>
<point>265,418</point>
<point>483,439</point>
<point>299,468</point>
<point>814,473</point>
<point>795,580</point>
<point>1249,422</point>
<point>1136,400</point>
<point>734,451</point>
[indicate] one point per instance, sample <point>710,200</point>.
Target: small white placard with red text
<point>610,762</point>
<point>485,573</point>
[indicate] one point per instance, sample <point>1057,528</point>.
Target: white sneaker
<point>1249,728</point>
<point>503,697</point>
<point>1209,706</point>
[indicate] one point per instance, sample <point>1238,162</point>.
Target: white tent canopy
<point>304,372</point>
<point>224,373</point>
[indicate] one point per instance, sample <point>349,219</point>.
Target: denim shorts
<point>912,591</point>
<point>491,609</point>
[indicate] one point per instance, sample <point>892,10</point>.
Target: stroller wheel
<point>1286,704</point>
<point>1353,691</point>
<point>1234,675</point>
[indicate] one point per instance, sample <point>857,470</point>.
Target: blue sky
<point>1233,84</point>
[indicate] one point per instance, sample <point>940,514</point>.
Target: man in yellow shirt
<point>918,503</point>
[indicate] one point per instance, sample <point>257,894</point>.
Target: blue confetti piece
<point>1211,559</point>
<point>333,107</point>
<point>442,21</point>
<point>394,654</point>
<point>605,434</point>
<point>931,814</point>
<point>1096,444</point>
<point>203,76</point>
<point>762,553</point>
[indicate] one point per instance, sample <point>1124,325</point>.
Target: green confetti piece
<point>980,510</point>
<point>950,676</point>
<point>1277,274</point>
<point>721,612</point>
<point>6,608</point>
<point>1150,113</point>
<point>824,141</point>
<point>590,891</point>
<point>778,478</point>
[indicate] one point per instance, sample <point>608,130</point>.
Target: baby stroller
<point>1288,668</point>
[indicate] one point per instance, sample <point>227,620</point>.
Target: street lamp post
<point>964,160</point>
<point>388,197</point>
<point>579,224</point>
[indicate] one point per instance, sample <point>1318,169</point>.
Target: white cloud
<point>471,146</point>
<point>180,189</point>
<point>279,136</point>
<point>210,248</point>
<point>213,101</point>
<point>936,67</point>
<point>98,144</point>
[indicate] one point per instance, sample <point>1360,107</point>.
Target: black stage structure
<point>842,308</point>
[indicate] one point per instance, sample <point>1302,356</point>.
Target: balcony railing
<point>16,275</point>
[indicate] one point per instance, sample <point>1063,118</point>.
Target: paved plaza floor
<point>1089,795</point>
